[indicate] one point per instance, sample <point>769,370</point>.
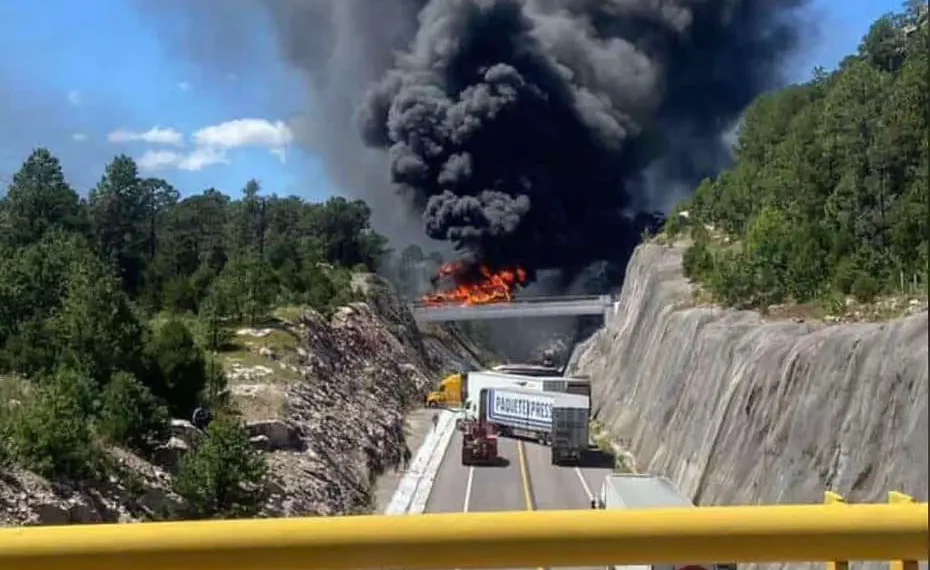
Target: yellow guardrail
<point>483,540</point>
<point>895,498</point>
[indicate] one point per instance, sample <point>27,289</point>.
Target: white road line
<point>587,490</point>
<point>471,477</point>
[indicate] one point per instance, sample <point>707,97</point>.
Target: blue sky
<point>91,79</point>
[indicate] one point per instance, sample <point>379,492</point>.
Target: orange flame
<point>491,287</point>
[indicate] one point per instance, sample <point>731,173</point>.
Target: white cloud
<point>184,86</point>
<point>232,76</point>
<point>155,135</point>
<point>245,133</point>
<point>79,137</point>
<point>201,158</point>
<point>212,143</point>
<point>74,97</point>
<point>159,159</point>
<point>198,159</point>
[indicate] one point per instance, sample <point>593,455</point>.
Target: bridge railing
<point>419,303</point>
<point>897,531</point>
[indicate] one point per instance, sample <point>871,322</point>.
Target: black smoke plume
<point>521,129</point>
<point>535,132</point>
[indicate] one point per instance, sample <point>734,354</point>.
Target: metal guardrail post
<point>831,498</point>
<point>896,498</point>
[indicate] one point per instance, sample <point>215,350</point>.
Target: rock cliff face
<point>326,406</point>
<point>736,409</point>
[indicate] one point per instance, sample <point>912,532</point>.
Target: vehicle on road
<point>479,442</point>
<point>557,419</point>
<point>467,387</point>
<point>476,381</point>
<point>450,393</point>
<point>640,491</point>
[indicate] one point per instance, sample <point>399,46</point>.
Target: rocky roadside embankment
<point>738,409</point>
<point>324,399</point>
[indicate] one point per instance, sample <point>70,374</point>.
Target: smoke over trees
<point>525,132</point>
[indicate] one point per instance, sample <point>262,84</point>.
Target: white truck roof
<point>560,398</point>
<point>504,375</point>
<point>635,491</point>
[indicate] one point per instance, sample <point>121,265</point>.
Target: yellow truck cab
<point>449,393</point>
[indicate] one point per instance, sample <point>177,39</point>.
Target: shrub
<point>50,434</point>
<point>131,415</point>
<point>224,477</point>
<point>672,226</point>
<point>176,367</point>
<point>865,288</point>
<point>697,260</point>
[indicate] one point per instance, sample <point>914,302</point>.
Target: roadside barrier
<point>831,532</point>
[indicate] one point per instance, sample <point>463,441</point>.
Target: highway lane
<point>526,480</point>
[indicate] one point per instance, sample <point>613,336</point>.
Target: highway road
<point>525,480</point>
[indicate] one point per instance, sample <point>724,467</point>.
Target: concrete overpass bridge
<point>581,305</point>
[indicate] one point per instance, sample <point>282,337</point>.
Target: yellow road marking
<point>525,479</point>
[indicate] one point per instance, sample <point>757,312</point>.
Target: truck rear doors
<point>569,433</point>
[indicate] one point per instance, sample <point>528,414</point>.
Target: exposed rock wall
<point>739,410</point>
<point>363,370</point>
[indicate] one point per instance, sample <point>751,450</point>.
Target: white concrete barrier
<point>433,444</point>
<point>421,496</point>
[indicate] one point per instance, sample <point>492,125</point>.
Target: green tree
<point>51,432</point>
<point>212,335</point>
<point>224,477</point>
<point>247,287</point>
<point>344,231</point>
<point>120,212</point>
<point>176,367</point>
<point>131,415</point>
<point>96,327</point>
<point>828,193</point>
<point>40,199</point>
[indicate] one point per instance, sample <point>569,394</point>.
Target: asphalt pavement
<point>524,480</point>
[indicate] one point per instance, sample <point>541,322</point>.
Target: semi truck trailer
<point>638,491</point>
<point>558,419</point>
<point>477,381</point>
<point>453,389</point>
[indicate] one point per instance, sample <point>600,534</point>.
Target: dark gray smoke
<point>521,128</point>
<point>525,132</point>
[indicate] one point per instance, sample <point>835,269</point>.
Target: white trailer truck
<point>478,380</point>
<point>558,419</point>
<point>635,491</point>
